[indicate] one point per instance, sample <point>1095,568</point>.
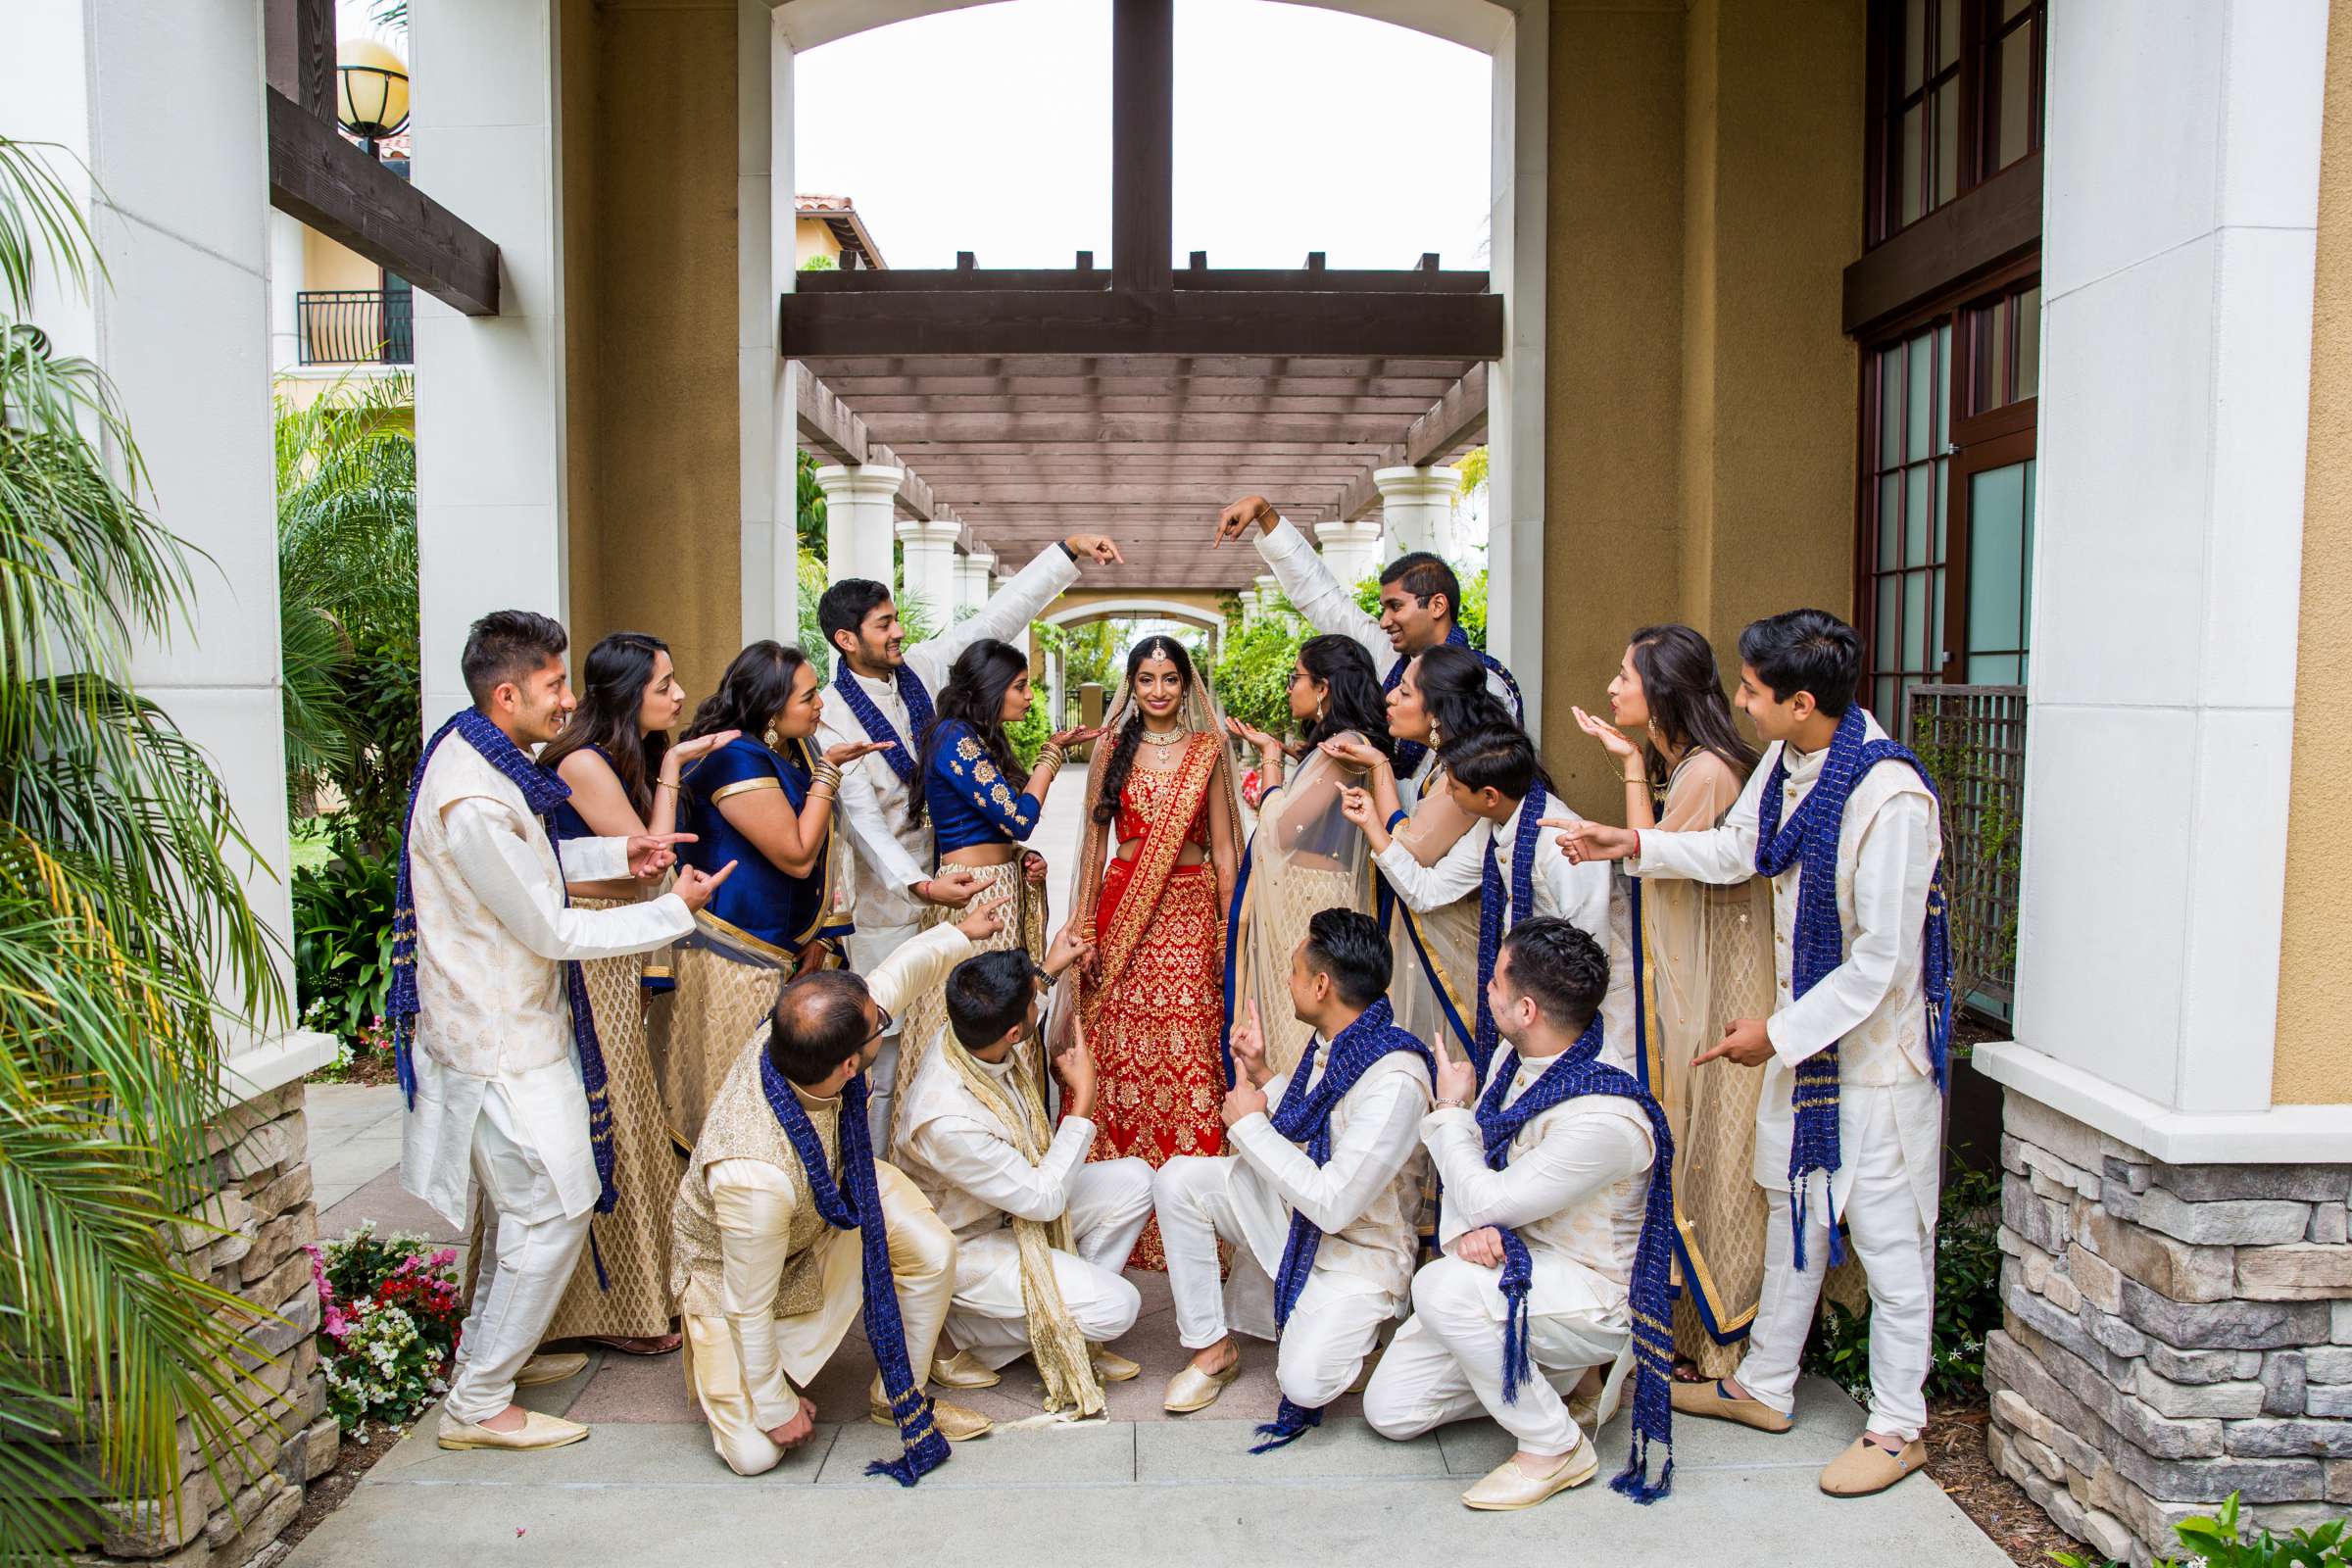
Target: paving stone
<point>2302,1272</point>
<point>2289,1440</point>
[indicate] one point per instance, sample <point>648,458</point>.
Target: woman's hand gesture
<point>701,746</point>
<point>1356,806</point>
<point>1609,735</point>
<point>849,751</point>
<point>1067,738</point>
<point>1355,754</point>
<point>1251,735</point>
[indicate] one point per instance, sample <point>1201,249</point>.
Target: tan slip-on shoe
<point>1865,1467</point>
<point>955,1422</point>
<point>1508,1487</point>
<point>1708,1402</point>
<point>964,1370</point>
<point>1195,1390</point>
<point>539,1430</point>
<point>1112,1367</point>
<point>550,1366</point>
<point>1363,1379</point>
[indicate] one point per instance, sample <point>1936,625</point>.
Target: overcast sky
<point>988,129</point>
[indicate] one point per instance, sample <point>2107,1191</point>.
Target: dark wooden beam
<point>840,370</point>
<point>1082,281</point>
<point>299,49</point>
<point>1940,257</point>
<point>1364,431</point>
<point>1460,417</point>
<point>1142,142</point>
<point>326,182</point>
<point>1183,322</point>
<point>826,425</point>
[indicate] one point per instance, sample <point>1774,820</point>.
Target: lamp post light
<point>371,97</point>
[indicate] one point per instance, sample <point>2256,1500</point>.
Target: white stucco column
<point>974,570</point>
<point>1417,506</point>
<point>1269,594</point>
<point>285,282</point>
<point>930,555</point>
<point>857,519</point>
<point>490,409</point>
<point>177,327</point>
<point>1351,550</point>
<point>2173,408</point>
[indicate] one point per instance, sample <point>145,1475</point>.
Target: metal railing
<point>1973,738</point>
<point>356,327</point>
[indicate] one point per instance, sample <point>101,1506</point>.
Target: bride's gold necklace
<point>1165,740</point>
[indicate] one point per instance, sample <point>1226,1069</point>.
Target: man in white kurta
<point>969,1162</point>
<point>1365,1200</point>
<point>1890,1114</point>
<point>1573,1190</point>
<point>894,877</point>
<point>498,1089</point>
<point>768,1290</point>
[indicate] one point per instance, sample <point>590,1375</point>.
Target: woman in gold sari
<point>1305,858</point>
<point>1155,879</point>
<point>1706,957</point>
<point>765,802</point>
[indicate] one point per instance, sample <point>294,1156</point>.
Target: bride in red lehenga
<point>1163,831</point>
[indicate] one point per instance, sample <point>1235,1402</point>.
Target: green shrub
<point>1968,1301</point>
<point>343,937</point>
<point>2213,1542</point>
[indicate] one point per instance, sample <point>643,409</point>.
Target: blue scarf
<point>1490,911</point>
<point>1809,841</point>
<point>542,792</point>
<point>1580,1071</point>
<point>860,1209</point>
<point>1305,1118</point>
<point>1410,753</point>
<point>901,754</point>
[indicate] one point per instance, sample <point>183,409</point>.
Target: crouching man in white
<point>1571,1187</point>
<point>1320,1197</point>
<point>775,1247</point>
<point>498,1058</point>
<point>1041,1234</point>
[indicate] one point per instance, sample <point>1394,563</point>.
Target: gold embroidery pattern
<point>968,748</point>
<point>984,772</point>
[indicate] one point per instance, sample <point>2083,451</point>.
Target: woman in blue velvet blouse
<point>764,801</point>
<point>983,806</point>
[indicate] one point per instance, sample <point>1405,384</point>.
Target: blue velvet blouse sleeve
<point>738,765</point>
<point>977,782</point>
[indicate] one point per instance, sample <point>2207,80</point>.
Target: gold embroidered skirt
<point>727,984</point>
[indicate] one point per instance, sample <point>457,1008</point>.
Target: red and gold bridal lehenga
<point>1150,1006</point>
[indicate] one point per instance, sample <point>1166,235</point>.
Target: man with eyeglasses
<point>785,1224</point>
<point>1041,1234</point>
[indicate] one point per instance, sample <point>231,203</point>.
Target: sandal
<point>643,1345</point>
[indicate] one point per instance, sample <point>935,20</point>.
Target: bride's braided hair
<point>1131,733</point>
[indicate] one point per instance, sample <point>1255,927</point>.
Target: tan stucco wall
<point>1705,197</point>
<point>2313,1060</point>
<point>327,264</point>
<point>655,487</point>
<point>813,236</point>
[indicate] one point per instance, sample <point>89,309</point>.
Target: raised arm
<point>1364,1158</point>
<point>973,774</point>
<point>918,966</point>
<point>493,854</point>
<point>1719,855</point>
<point>1011,608</point>
<point>1578,1156</point>
<point>983,1164</point>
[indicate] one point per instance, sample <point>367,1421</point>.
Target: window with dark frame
<point>1955,94</point>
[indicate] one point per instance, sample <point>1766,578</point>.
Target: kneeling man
<point>786,1227</point>
<point>1556,1238</point>
<point>1320,1197</point>
<point>1041,1235</point>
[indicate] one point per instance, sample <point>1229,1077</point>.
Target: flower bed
<point>389,1311</point>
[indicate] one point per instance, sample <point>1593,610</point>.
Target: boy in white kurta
<point>973,1137</point>
<point>882,691</point>
<point>494,1078</point>
<point>1797,678</point>
<point>767,1288</point>
<point>1573,1191</point>
<point>1364,1198</point>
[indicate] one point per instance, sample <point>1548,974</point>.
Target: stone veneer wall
<point>2172,1334</point>
<point>250,1242</point>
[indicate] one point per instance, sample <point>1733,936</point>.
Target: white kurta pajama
<point>1574,1191</point>
<point>963,1158</point>
<point>754,1328</point>
<point>893,852</point>
<point>1889,1115</point>
<point>1364,1200</point>
<point>499,1096</point>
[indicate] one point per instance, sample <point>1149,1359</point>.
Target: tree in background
<point>127,949</point>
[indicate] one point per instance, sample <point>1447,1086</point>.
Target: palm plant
<point>127,947</point>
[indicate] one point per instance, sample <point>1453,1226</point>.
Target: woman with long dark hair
<point>616,753</point>
<point>1154,877</point>
<point>763,799</point>
<point>981,817</point>
<point>1707,959</point>
<point>1303,856</point>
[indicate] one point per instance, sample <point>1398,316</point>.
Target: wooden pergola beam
<point>299,53</point>
<point>1460,417</point>
<point>328,183</point>
<point>834,428</point>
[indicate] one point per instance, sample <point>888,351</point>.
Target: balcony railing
<point>356,327</point>
<point>1973,738</point>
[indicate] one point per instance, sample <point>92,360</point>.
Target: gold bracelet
<point>665,783</point>
<point>825,773</point>
<point>1051,755</point>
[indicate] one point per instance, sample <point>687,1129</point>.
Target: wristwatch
<point>1452,1104</point>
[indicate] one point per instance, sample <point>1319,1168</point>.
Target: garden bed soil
<point>370,1067</point>
<point>1995,1505</point>
<point>352,1461</point>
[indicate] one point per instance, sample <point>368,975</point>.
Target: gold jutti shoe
<point>1195,1390</point>
<point>1708,1402</point>
<point>1112,1367</point>
<point>955,1423</point>
<point>550,1366</point>
<point>1865,1467</point>
<point>964,1370</point>
<point>539,1430</point>
<point>1508,1487</point>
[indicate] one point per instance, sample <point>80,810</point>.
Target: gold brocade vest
<point>741,1125</point>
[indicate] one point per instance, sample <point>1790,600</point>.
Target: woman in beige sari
<point>1706,957</point>
<point>1305,856</point>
